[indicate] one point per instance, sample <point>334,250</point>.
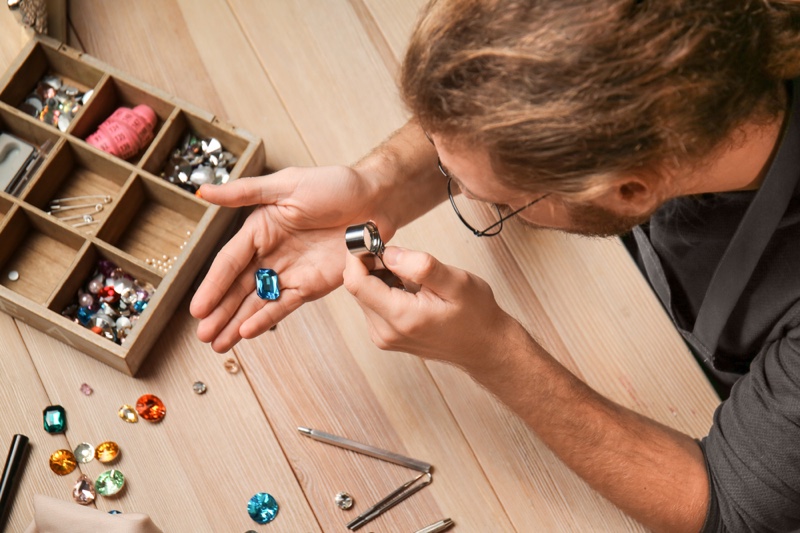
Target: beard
<point>590,220</point>
<point>594,221</point>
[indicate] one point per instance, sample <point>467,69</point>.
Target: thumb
<point>421,269</point>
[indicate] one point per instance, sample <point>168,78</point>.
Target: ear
<point>631,196</point>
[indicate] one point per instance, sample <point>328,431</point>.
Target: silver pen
<point>437,527</point>
<point>366,449</point>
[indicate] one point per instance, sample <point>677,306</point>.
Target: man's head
<point>596,102</point>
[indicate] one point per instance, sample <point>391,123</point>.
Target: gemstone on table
<point>109,482</point>
<point>343,501</point>
<point>267,284</point>
<point>84,452</point>
<point>83,492</point>
<point>106,451</point>
<point>55,419</point>
<point>63,462</point>
<point>86,389</point>
<point>151,408</point>
<point>128,414</point>
<point>199,387</point>
<point>262,508</point>
<point>114,511</point>
<point>231,365</point>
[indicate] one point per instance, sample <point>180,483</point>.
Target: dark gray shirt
<point>727,269</point>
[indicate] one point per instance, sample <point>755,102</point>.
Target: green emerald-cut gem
<point>109,482</point>
<point>55,419</point>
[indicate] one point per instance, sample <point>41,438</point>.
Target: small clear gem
<point>86,389</point>
<point>151,408</point>
<point>55,419</point>
<point>267,284</point>
<point>262,508</point>
<point>107,451</point>
<point>84,452</point>
<point>128,414</point>
<point>343,500</point>
<point>199,387</point>
<point>83,491</point>
<point>63,462</point>
<point>109,482</point>
<point>231,365</point>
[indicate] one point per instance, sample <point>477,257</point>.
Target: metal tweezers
<point>398,495</point>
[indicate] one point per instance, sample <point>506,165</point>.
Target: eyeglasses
<point>468,210</point>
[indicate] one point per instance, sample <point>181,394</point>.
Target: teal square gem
<point>55,419</point>
<point>267,284</point>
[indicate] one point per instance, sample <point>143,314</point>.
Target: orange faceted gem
<point>151,408</point>
<point>63,462</point>
<point>106,451</point>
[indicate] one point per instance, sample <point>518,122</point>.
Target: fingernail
<point>392,255</point>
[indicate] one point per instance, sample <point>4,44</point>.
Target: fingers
<point>369,290</point>
<point>251,191</point>
<point>270,314</point>
<point>228,265</point>
<point>425,270</point>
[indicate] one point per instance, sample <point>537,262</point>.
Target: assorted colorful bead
<point>110,302</point>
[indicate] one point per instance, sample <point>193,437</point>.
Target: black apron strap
<point>752,236</point>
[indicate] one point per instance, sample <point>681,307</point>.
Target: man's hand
<point>297,230</point>
<point>453,317</point>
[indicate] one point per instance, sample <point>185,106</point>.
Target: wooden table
<point>316,79</point>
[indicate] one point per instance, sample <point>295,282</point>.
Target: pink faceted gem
<point>86,389</point>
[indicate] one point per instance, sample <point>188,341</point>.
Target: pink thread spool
<point>126,132</point>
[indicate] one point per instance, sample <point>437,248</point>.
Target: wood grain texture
<point>316,80</point>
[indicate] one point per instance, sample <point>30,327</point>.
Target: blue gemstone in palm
<point>262,508</point>
<point>267,284</point>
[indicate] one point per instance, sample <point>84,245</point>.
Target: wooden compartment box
<point>47,256</point>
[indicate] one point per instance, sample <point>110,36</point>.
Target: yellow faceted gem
<point>63,462</point>
<point>106,452</point>
<point>128,414</point>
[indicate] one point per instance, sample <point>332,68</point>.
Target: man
<point>591,117</point>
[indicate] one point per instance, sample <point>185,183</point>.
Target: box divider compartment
<point>41,59</point>
<point>116,93</point>
<point>41,252</point>
<point>75,171</point>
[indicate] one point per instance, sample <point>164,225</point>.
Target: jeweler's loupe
<point>364,241</point>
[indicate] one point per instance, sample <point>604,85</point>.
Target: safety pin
<point>104,198</point>
<point>86,222</point>
<point>59,208</point>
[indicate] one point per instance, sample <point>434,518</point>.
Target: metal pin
<point>58,208</point>
<point>103,198</point>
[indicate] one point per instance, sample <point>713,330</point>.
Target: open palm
<point>297,230</point>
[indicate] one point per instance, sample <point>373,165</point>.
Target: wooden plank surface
<point>316,80</point>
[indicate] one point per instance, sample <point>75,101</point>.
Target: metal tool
<point>398,495</point>
<point>438,527</point>
<point>401,493</point>
<point>366,449</point>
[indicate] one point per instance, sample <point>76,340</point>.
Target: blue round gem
<point>140,306</point>
<point>114,511</point>
<point>262,508</point>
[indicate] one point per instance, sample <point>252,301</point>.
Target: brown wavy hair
<point>565,93</point>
